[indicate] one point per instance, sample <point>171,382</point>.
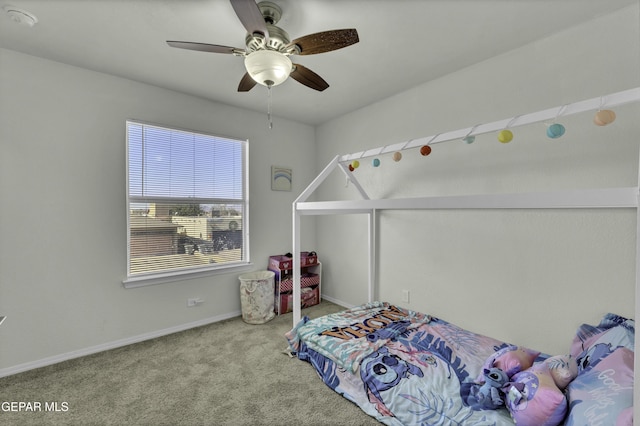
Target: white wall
<point>63,215</point>
<point>527,277</point>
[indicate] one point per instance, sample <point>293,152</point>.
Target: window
<point>186,203</point>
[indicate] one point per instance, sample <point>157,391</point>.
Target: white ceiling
<point>403,43</point>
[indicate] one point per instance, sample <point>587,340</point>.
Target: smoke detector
<point>20,16</point>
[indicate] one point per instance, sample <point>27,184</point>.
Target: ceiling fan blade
<point>204,47</point>
<point>246,83</point>
<point>325,41</point>
<point>309,78</point>
<point>249,14</point>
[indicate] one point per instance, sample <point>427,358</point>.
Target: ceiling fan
<point>268,47</point>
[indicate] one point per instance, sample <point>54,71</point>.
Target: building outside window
<point>186,203</point>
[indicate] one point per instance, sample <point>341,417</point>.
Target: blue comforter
<point>399,366</point>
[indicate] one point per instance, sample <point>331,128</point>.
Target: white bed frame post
<point>636,359</point>
<point>624,197</point>
<point>373,255</point>
<point>296,265</point>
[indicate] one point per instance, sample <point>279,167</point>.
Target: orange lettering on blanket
<point>376,323</point>
<point>344,333</point>
<point>361,329</point>
<point>394,314</point>
<point>364,327</point>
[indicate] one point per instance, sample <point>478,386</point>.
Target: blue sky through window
<point>178,164</point>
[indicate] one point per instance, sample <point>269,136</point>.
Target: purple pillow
<point>563,369</point>
<point>510,359</point>
<point>613,330</point>
<point>603,391</point>
<point>533,399</point>
<point>603,394</point>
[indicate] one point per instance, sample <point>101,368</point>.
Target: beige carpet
<point>227,373</point>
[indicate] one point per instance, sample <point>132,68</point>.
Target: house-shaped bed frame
<point>620,197</point>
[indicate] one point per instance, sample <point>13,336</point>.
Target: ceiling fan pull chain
<point>269,107</point>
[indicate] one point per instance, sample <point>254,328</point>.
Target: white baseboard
<point>20,368</point>
<point>337,302</point>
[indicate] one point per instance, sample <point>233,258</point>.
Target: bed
<point>408,368</point>
<point>443,361</point>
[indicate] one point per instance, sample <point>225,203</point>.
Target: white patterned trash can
<point>257,297</point>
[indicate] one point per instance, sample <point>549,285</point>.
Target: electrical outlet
<point>405,296</point>
<point>195,301</point>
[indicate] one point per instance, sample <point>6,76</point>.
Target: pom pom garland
<point>602,117</point>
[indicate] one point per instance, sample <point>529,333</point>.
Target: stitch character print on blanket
<point>382,371</point>
<point>418,353</point>
<point>593,356</point>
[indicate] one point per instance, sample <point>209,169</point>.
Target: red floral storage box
<point>285,262</point>
<point>308,297</point>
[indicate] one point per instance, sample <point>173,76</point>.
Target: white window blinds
<point>187,201</point>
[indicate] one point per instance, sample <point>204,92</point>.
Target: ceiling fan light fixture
<point>268,67</point>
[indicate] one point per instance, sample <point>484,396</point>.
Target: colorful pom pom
<point>555,131</point>
<point>355,164</point>
<point>505,136</point>
<point>397,156</point>
<point>604,117</point>
<point>375,162</point>
<point>425,150</point>
<point>469,139</point>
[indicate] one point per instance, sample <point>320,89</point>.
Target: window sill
<point>143,281</point>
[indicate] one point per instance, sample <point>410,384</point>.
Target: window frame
<point>152,278</point>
